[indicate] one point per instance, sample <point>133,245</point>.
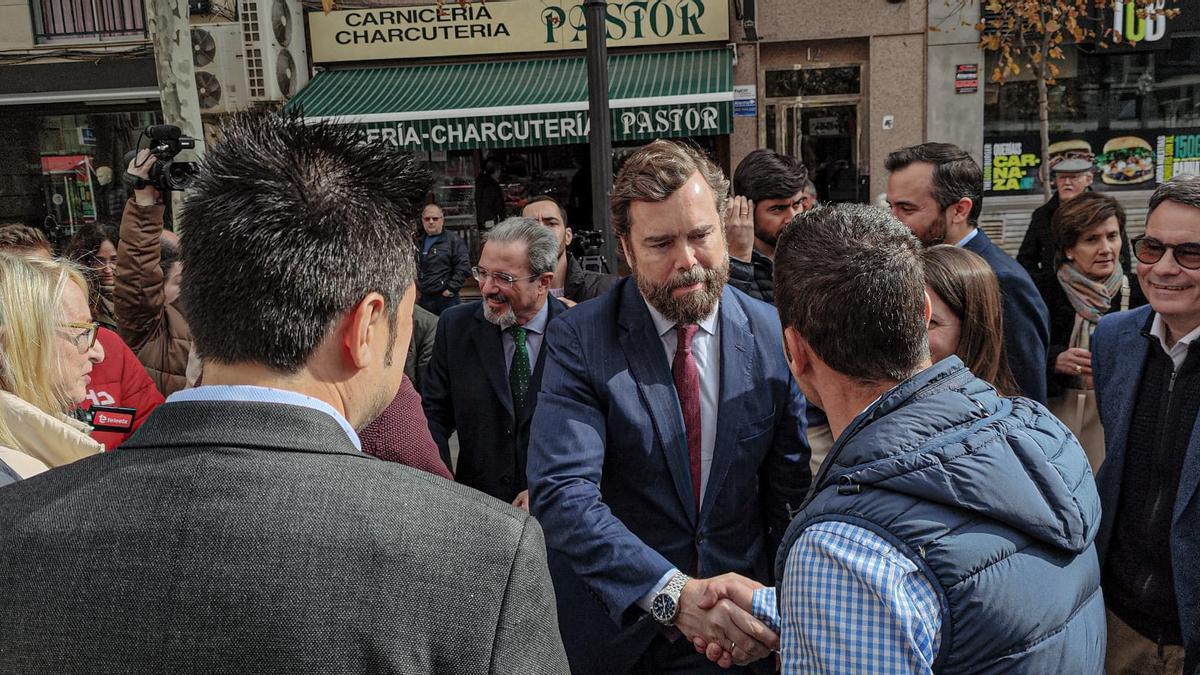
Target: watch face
<point>663,608</point>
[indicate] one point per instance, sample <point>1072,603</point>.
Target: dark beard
<point>937,232</point>
<point>766,237</point>
<point>693,307</point>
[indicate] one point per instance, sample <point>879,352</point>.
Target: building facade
<point>494,96</point>
<point>1133,109</point>
<point>838,85</point>
<point>77,85</point>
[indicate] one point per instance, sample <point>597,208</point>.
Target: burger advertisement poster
<point>1122,160</point>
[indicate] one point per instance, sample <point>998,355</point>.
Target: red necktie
<point>687,384</point>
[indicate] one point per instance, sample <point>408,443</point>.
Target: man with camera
<point>149,269</point>
<point>571,280</point>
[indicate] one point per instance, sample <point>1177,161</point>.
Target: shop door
<point>825,137</point>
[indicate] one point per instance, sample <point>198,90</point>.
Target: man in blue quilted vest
<point>950,530</point>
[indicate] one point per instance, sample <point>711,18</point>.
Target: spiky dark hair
<point>288,226</point>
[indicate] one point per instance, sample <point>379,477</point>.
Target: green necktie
<point>518,373</point>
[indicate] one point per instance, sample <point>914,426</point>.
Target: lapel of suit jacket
<point>1128,354</point>
<point>535,379</point>
<point>485,335</point>
<point>644,352</point>
<point>736,392</point>
<point>1189,476</point>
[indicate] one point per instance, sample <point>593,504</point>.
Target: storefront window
<point>1118,91</point>
<point>1133,110</point>
<point>61,171</point>
<point>479,188</point>
<point>560,171</point>
<point>454,185</point>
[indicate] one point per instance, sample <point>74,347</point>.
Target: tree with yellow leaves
<point>1031,35</point>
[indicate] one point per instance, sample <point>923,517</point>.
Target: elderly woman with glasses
<point>47,349</point>
<point>1089,234</point>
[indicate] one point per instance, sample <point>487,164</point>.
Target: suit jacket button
<point>699,539</point>
<point>506,479</point>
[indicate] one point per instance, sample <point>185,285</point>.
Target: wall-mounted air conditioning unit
<point>220,71</point>
<point>276,56</point>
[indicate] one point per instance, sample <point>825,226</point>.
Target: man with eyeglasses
<point>486,368</point>
<point>443,262</point>
<point>1148,389</point>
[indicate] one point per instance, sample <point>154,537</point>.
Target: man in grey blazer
<point>242,529</point>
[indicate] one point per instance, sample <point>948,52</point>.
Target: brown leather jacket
<point>154,330</point>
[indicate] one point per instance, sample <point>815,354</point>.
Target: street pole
<point>172,34</point>
<point>600,134</point>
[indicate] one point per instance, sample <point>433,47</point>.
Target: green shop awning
<point>511,104</point>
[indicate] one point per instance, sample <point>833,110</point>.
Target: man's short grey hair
<point>1184,189</point>
<point>541,242</point>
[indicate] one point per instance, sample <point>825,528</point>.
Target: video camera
<point>588,243</point>
<point>588,246</point>
<point>166,141</point>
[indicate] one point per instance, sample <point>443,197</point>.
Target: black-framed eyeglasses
<point>499,278</point>
<point>87,339</point>
<point>1149,250</point>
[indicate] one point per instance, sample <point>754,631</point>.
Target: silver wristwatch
<point>665,606</point>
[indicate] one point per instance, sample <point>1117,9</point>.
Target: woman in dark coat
<point>1089,235</point>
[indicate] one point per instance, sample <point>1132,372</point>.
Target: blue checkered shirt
<point>852,603</point>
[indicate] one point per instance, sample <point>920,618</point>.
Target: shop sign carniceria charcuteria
<point>507,27</point>
<point>645,123</point>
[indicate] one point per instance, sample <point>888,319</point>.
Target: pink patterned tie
<point>687,384</point>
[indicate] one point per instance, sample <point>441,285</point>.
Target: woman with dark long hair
<point>967,318</point>
<point>94,247</point>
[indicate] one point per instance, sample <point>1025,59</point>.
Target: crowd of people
<point>799,437</point>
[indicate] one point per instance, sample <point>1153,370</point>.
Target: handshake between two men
<point>717,616</point>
